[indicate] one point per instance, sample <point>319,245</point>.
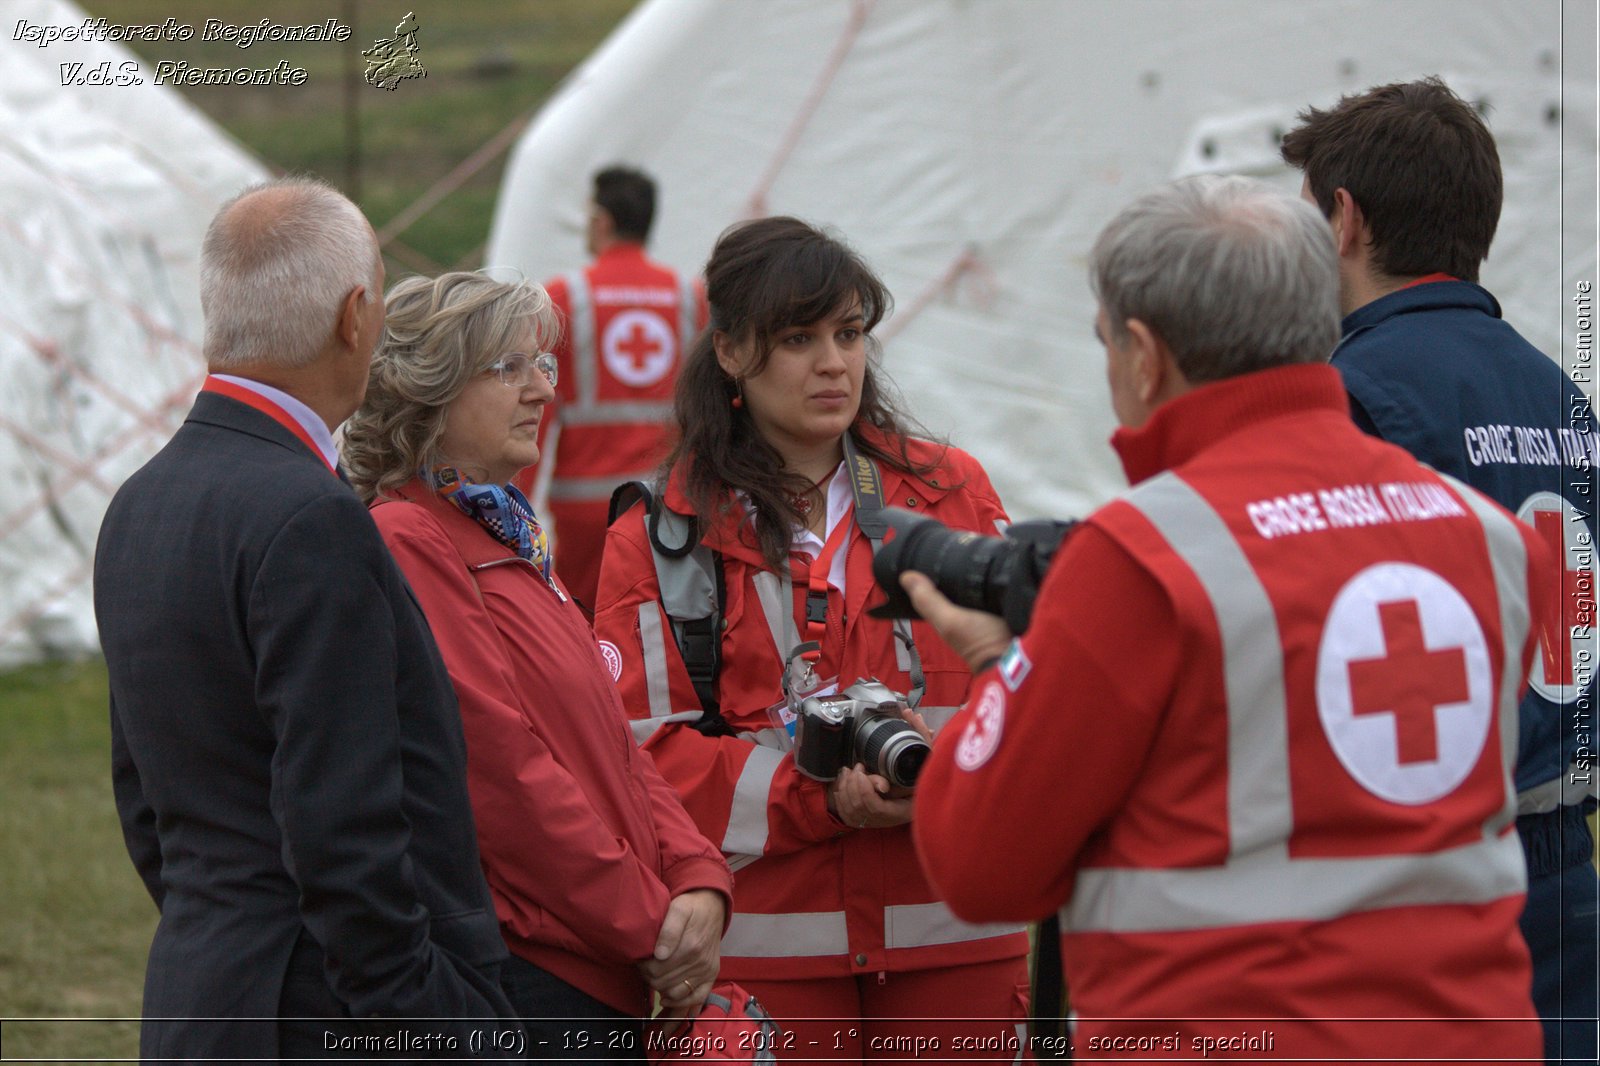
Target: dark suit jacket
<point>287,753</point>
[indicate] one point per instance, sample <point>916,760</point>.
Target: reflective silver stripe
<point>937,717</point>
<point>774,738</point>
<point>776,593</point>
<point>688,307</point>
<point>1259,882</point>
<point>580,324</point>
<point>1259,814</point>
<point>654,644</point>
<point>776,936</point>
<point>1022,1041</point>
<point>739,862</point>
<point>539,497</point>
<point>591,488</point>
<point>1509,558</point>
<point>747,814</point>
<point>1264,888</point>
<point>1574,786</point>
<point>645,728</point>
<point>625,412</point>
<point>920,925</point>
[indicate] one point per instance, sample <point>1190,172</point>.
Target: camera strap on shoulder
<point>866,485</point>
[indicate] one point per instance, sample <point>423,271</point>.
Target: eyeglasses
<point>516,368</point>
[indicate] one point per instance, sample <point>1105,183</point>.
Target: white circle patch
<point>1560,667</point>
<point>1404,683</point>
<point>613,658</point>
<point>982,734</point>
<point>638,348</point>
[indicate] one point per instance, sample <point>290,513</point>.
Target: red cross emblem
<point>1409,682</point>
<point>1405,685</point>
<point>1573,607</point>
<point>982,734</point>
<point>1566,629</point>
<point>638,347</point>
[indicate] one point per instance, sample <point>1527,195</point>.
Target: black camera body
<point>863,725</point>
<point>1000,575</point>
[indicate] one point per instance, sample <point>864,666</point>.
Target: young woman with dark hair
<point>783,421</point>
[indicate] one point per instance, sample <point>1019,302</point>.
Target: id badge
<point>780,714</point>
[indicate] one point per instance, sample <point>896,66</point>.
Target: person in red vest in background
<point>627,320</point>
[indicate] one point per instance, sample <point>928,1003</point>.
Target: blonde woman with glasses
<point>605,890</point>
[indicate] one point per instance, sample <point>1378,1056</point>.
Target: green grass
<point>488,63</point>
<point>75,921</point>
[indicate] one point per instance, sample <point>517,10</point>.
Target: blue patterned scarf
<point>502,510</point>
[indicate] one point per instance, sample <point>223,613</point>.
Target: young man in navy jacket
<point>1409,178</point>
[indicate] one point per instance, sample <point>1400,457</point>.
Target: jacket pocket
<point>471,936</point>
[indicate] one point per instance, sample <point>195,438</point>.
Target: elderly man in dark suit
<point>287,753</point>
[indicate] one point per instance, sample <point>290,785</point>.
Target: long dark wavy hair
<point>764,277</point>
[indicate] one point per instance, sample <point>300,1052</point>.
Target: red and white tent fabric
<point>972,149</point>
<point>105,192</point>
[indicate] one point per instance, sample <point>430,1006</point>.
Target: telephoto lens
<point>961,564</point>
<point>1000,575</point>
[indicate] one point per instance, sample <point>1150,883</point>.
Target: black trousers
<point>563,1022</point>
<point>314,1026</point>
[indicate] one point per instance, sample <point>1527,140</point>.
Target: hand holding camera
<point>867,725</point>
<point>867,801</point>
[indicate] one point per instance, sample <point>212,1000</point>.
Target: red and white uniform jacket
<point>627,323</point>
<point>1256,746</point>
<point>814,897</point>
<point>583,844</point>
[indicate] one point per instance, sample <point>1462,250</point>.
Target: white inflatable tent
<point>105,192</point>
<point>972,149</point>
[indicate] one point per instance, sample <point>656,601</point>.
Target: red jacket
<point>814,897</point>
<point>584,845</point>
<point>627,322</point>
<point>1262,726</point>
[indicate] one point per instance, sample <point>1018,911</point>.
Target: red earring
<point>738,402</point>
<point>738,395</point>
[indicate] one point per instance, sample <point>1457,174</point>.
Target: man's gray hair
<point>1234,275</point>
<point>274,272</point>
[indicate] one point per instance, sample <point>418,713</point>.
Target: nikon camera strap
<point>866,485</point>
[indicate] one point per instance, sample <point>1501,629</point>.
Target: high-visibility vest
<point>1261,880</point>
<point>613,427</point>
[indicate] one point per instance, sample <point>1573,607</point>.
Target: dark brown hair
<point>1421,165</point>
<point>629,197</point>
<point>763,277</point>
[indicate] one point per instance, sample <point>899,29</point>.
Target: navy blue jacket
<point>1436,370</point>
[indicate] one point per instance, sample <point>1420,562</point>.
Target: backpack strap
<point>691,583</point>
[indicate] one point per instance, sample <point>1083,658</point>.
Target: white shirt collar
<point>838,500</point>
<point>309,420</point>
